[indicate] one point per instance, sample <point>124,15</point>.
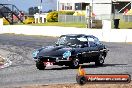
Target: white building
<point>99,6</point>
<point>40,18</point>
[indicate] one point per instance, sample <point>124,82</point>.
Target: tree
<point>33,10</point>
<point>36,10</point>
<point>49,11</point>
<point>52,17</point>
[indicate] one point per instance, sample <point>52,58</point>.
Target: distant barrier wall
<point>1,22</point>
<point>105,34</point>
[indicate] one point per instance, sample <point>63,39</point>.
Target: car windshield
<point>71,40</point>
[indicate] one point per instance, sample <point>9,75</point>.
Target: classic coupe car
<point>71,50</point>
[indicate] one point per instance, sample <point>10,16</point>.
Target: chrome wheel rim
<point>101,60</point>
<point>76,62</point>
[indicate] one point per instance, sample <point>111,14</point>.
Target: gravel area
<point>19,48</point>
<point>81,86</point>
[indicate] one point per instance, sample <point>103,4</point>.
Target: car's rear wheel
<point>100,60</point>
<point>40,65</point>
<point>74,63</point>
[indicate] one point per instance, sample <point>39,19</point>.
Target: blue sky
<point>25,4</point>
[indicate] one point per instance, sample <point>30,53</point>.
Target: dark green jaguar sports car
<point>71,50</point>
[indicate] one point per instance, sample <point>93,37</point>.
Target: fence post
<point>1,22</point>
<point>128,19</point>
<point>65,18</point>
<point>106,29</point>
<point>1,25</point>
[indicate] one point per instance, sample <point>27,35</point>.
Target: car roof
<point>78,35</point>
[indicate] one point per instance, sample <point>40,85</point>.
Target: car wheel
<point>100,60</point>
<point>74,63</point>
<point>40,65</point>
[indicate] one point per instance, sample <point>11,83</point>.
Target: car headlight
<point>35,53</point>
<point>66,54</point>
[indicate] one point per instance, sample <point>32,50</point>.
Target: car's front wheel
<point>74,63</point>
<point>40,65</point>
<point>100,60</point>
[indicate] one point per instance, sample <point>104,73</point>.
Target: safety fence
<point>71,18</point>
<point>83,19</point>
<point>127,18</point>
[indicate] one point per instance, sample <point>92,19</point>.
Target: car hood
<point>53,51</point>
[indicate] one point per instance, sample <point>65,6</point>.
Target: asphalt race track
<point>19,48</point>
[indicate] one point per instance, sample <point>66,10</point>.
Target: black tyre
<point>81,80</point>
<point>40,65</point>
<point>74,63</point>
<point>100,60</point>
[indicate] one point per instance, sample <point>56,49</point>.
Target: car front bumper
<point>53,59</point>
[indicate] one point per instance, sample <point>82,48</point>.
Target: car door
<point>93,47</point>
<point>85,50</point>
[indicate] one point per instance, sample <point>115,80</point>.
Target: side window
<point>92,42</point>
<point>83,41</point>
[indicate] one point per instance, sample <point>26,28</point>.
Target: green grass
<point>125,25</point>
<point>78,25</point>
<point>122,24</point>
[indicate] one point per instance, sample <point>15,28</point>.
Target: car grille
<point>49,59</point>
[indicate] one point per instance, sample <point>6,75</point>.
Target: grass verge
<point>122,24</point>
<point>78,25</point>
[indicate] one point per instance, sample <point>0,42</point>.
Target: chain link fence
<point>97,20</point>
<point>71,19</point>
<point>81,19</point>
<point>127,18</point>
